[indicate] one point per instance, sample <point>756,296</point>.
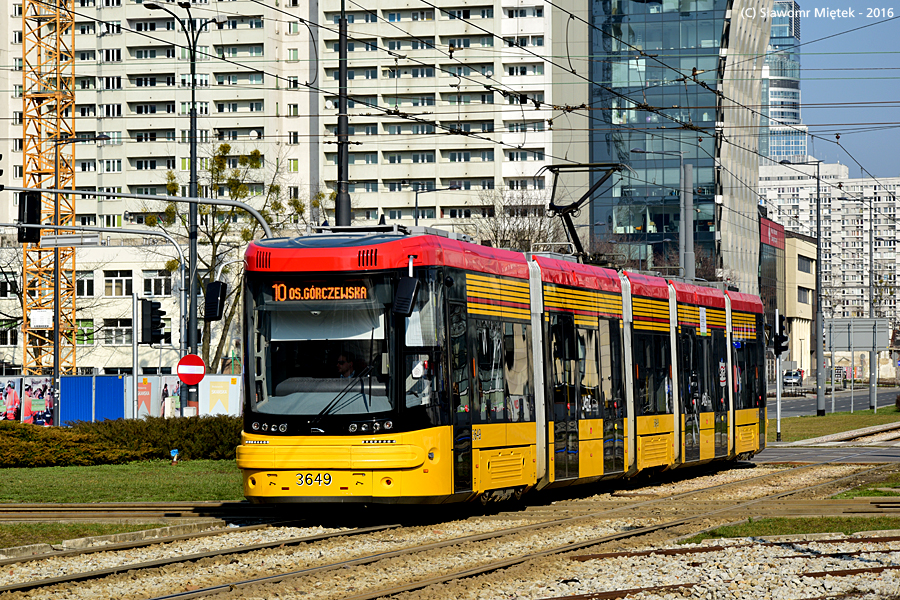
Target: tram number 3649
<point>311,479</point>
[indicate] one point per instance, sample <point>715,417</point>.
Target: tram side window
<point>562,366</point>
<point>489,380</point>
<point>689,372</point>
<point>652,383</point>
<point>517,366</point>
<point>589,375</point>
<point>709,372</point>
<point>719,391</point>
<point>760,362</point>
<point>742,372</point>
<point>423,341</point>
<point>611,388</point>
<point>459,360</point>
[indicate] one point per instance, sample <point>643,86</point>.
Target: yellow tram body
<point>539,373</point>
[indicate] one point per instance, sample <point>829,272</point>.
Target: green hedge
<point>119,441</point>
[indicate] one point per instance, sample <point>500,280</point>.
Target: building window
<point>117,332</point>
<point>804,265</point>
<point>9,333</point>
<point>803,295</point>
<point>117,283</point>
<point>157,283</point>
<point>7,287</point>
<point>84,336</point>
<point>84,284</point>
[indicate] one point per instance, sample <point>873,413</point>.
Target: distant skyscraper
<point>785,136</point>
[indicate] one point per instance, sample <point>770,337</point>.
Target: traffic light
<point>214,306</point>
<point>781,338</point>
<point>30,213</point>
<point>151,322</point>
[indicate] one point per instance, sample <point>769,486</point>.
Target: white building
<point>472,94</point>
<point>454,95</point>
<point>851,208</point>
<point>132,81</point>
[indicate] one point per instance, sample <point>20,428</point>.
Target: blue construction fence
<point>101,397</point>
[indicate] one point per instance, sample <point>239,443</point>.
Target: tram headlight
<point>364,427</point>
<point>376,426</point>
<point>255,426</point>
<point>265,426</point>
<point>352,427</point>
<point>282,428</point>
<point>388,425</point>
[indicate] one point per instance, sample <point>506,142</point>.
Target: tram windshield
<point>322,347</point>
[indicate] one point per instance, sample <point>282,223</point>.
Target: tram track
<point>265,556</point>
<point>105,511</point>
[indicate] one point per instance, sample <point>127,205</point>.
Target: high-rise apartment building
<point>679,80</point>
<point>133,85</point>
<point>851,209</point>
<point>472,97</point>
<point>453,95</point>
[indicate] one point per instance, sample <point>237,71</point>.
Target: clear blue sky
<point>853,69</point>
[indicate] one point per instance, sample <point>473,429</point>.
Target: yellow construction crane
<point>48,274</point>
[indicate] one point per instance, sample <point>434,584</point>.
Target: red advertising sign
<point>771,233</point>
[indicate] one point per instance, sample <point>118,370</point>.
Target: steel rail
<point>41,583</point>
<point>505,563</point>
<point>436,545</point>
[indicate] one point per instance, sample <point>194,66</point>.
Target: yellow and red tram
<point>395,368</point>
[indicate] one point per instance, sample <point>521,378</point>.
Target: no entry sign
<point>191,369</point>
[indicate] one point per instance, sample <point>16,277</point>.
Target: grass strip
<point>149,481</point>
<point>795,429</point>
<point>889,486</point>
<point>24,534</point>
<point>798,525</point>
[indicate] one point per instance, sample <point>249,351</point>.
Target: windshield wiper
<point>330,407</point>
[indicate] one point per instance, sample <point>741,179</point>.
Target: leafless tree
<point>516,220</point>
<point>223,231</point>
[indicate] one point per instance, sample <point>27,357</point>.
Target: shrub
<point>24,445</point>
<point>208,437</point>
<point>119,441</point>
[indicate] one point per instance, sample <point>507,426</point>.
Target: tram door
<point>612,395</point>
<point>564,390</point>
<point>460,400</point>
<point>719,382</point>
<point>690,392</point>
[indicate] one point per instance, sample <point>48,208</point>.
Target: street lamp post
<point>683,249</point>
<point>820,323</point>
<point>193,192</point>
<point>56,316</point>
<point>425,191</point>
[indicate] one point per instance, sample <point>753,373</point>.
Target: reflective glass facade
<point>781,94</point>
<point>671,78</point>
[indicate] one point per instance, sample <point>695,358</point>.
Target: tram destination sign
<point>282,292</point>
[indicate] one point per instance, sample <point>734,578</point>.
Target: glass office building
<point>679,80</point>
<point>785,137</point>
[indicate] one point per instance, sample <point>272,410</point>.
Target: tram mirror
<point>405,298</point>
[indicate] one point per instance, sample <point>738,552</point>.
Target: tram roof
<point>648,285</point>
<point>745,302</point>
<point>355,252</point>
<point>699,295</point>
<point>574,274</point>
